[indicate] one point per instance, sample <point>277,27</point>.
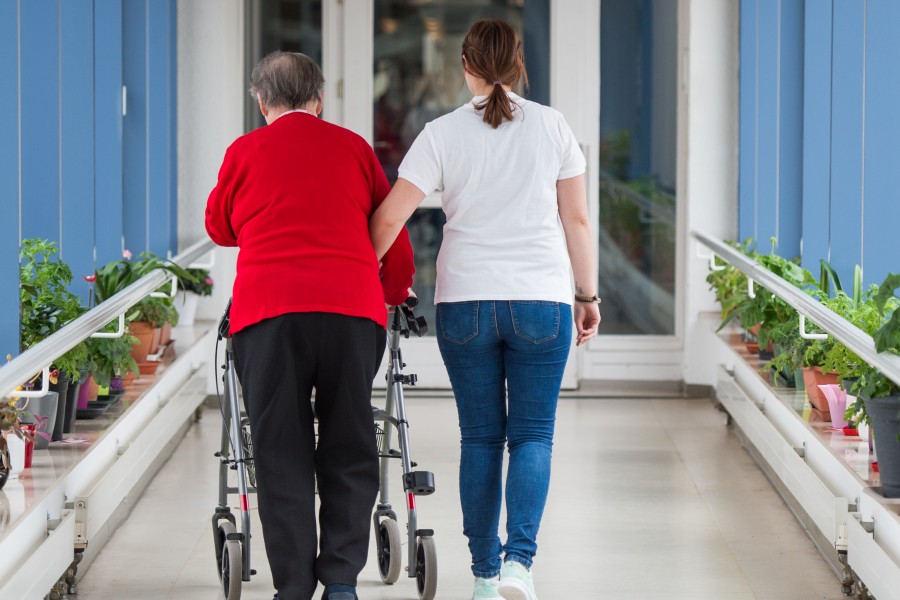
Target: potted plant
<point>881,395</point>
<point>116,275</point>
<point>111,357</point>
<point>189,294</point>
<point>12,442</point>
<point>47,305</point>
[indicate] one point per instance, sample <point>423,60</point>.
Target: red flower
<point>90,278</point>
<point>208,281</point>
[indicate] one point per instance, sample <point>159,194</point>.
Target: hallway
<point>650,499</point>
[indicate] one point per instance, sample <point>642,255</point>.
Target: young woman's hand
<point>587,320</point>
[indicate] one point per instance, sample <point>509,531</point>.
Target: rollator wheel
<point>389,552</point>
<point>426,568</point>
<point>230,562</point>
<point>247,443</point>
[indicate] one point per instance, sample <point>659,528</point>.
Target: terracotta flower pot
<point>144,332</point>
<point>149,367</point>
<point>813,377</point>
<point>165,334</point>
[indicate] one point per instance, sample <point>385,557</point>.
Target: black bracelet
<point>588,299</point>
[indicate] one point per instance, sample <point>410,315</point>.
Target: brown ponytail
<point>492,51</point>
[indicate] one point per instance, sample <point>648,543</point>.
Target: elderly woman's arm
<point>573,213</point>
<point>388,220</point>
<point>220,203</point>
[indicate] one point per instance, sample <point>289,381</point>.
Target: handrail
<point>851,336</point>
<point>46,351</point>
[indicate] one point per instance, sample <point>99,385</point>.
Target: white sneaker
<point>486,589</point>
<point>516,582</point>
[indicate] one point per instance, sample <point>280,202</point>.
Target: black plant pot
<point>884,417</point>
<point>72,403</point>
<point>61,387</point>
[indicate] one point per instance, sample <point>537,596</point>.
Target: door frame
<point>574,91</point>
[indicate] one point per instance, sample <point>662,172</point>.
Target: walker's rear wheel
<point>426,568</point>
<point>389,553</point>
<point>230,562</point>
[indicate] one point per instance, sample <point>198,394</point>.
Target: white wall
<point>211,91</point>
<point>708,148</point>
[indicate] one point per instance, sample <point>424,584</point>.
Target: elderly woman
<point>308,313</point>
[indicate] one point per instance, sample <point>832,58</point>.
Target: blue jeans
<point>500,352</point>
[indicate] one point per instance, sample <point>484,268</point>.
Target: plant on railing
<point>115,276</point>
<point>46,304</point>
<point>111,357</point>
<point>202,284</point>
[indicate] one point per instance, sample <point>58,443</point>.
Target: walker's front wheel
<point>230,562</point>
<point>426,568</point>
<point>389,553</point>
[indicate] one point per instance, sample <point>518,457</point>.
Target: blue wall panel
<point>846,136</point>
<point>9,180</point>
<point>790,143</point>
<point>173,125</point>
<point>881,209</point>
<point>817,134</point>
<point>76,30</point>
<point>767,133</point>
<point>747,126</point>
<point>40,119</point>
<point>157,127</point>
<point>134,68</point>
<point>108,135</point>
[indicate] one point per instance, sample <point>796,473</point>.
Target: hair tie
<point>497,83</point>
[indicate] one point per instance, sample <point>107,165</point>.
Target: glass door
<point>417,76</point>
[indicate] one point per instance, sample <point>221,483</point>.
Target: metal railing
<point>36,358</point>
<point>851,336</point>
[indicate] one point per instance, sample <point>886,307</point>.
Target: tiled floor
<point>650,499</point>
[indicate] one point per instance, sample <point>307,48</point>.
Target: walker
<point>421,554</point>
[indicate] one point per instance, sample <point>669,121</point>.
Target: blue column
<point>881,207</point>
<point>846,136</point>
<point>9,180</point>
<point>157,198</point>
<point>747,190</point>
<point>173,126</point>
<point>135,210</point>
<point>536,43</point>
<point>817,134</point>
<point>767,124</point>
<point>789,209</point>
<point>39,76</point>
<point>76,29</point>
<point>108,212</point>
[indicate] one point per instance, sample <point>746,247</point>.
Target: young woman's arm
<point>573,213</point>
<point>390,217</point>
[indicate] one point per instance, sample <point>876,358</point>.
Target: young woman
<point>510,173</point>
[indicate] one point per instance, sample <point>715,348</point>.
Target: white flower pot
<point>16,447</point>
<point>186,304</point>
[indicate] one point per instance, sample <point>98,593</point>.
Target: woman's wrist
<point>588,299</point>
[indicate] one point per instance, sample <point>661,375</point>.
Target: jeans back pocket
<point>457,321</point>
<point>536,321</point>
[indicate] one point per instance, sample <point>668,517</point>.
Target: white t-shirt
<point>503,239</point>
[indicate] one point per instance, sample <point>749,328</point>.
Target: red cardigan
<point>296,197</point>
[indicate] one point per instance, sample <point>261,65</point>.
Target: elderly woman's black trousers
<point>280,362</point>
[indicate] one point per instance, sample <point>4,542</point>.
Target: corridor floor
<point>650,499</point>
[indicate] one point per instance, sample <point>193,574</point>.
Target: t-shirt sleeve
<point>573,162</point>
<point>422,165</point>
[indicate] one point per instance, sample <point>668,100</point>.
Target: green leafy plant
<point>887,338</point>
<point>202,284</point>
<point>111,356</point>
<point>45,302</point>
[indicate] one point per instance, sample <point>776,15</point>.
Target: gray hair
<point>287,79</point>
